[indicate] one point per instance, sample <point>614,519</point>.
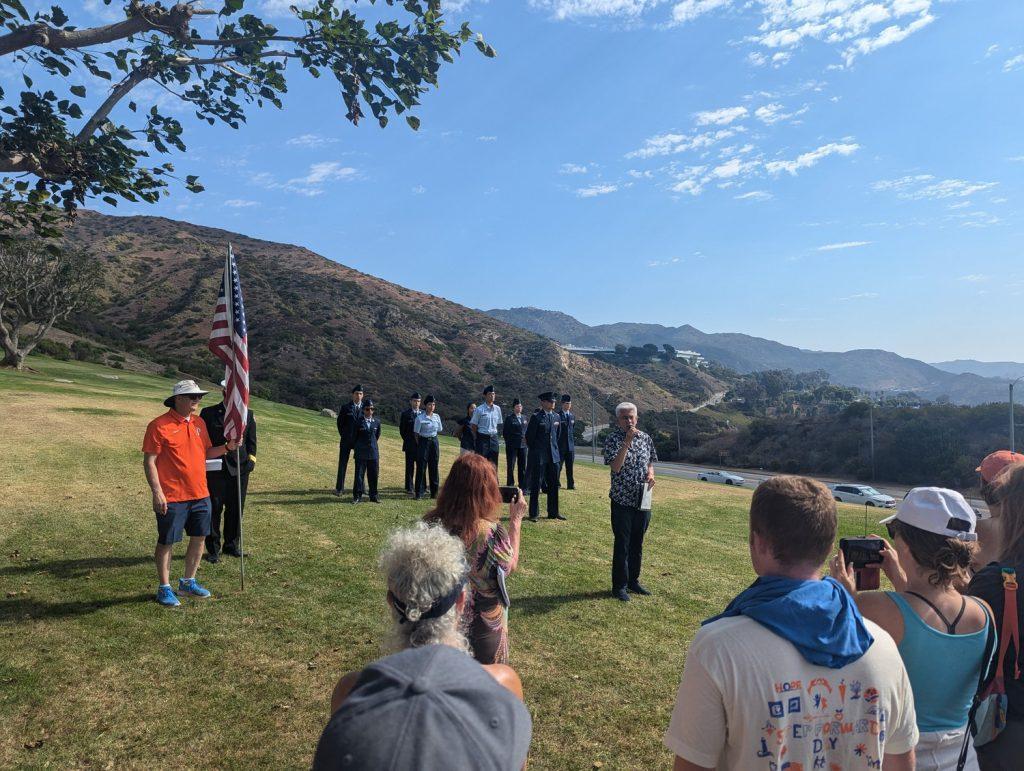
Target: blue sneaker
<point>193,587</point>
<point>165,596</point>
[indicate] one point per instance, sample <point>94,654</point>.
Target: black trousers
<point>411,459</point>
<point>547,471</point>
<point>514,458</point>
<point>368,470</point>
<point>567,461</point>
<point>487,445</point>
<point>428,453</point>
<point>628,526</point>
<point>224,500</point>
<point>344,451</point>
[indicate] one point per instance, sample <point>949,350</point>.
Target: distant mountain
<point>868,369</point>
<point>317,327</point>
<point>1007,370</point>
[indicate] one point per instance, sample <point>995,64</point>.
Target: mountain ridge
<point>867,369</point>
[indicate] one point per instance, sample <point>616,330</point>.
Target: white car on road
<point>863,494</point>
<point>721,477</point>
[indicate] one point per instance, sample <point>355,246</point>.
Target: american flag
<point>229,342</point>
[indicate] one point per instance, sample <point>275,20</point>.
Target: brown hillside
<point>316,326</point>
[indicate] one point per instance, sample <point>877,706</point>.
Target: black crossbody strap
<point>986,667</point>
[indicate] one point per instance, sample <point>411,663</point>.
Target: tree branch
<point>142,18</point>
<point>185,61</point>
<point>116,95</point>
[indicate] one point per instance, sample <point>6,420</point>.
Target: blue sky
<point>830,174</point>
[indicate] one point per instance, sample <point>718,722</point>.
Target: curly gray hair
<point>422,564</point>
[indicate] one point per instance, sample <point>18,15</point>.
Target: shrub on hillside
<point>83,350</point>
<point>54,350</point>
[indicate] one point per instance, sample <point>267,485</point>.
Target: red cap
<point>995,462</point>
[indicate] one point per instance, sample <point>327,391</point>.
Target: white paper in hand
<point>645,499</point>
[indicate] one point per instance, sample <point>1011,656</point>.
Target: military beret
<point>489,390</point>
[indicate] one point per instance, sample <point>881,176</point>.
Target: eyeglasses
<point>194,398</point>
<point>891,528</point>
<point>368,409</point>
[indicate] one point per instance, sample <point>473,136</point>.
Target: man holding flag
<point>229,342</point>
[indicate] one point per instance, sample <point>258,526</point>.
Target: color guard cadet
<point>348,416</point>
<point>486,424</point>
<point>367,454</point>
<point>543,457</point>
<point>406,423</point>
<point>428,426</point>
<point>514,433</point>
<point>566,442</point>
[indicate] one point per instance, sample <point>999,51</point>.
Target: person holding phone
<point>631,454</point>
<point>469,508</point>
<point>941,634</point>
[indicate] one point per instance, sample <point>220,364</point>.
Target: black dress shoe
<point>556,516</point>
<point>637,588</point>
<point>571,487</point>
<point>620,594</point>
<point>357,499</point>
<point>212,558</point>
<point>338,492</point>
<point>233,552</point>
<point>374,499</point>
<point>416,497</point>
<point>533,519</point>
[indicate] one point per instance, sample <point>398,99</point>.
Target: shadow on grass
<point>321,495</point>
<point>537,606</point>
<point>26,608</point>
<point>75,568</point>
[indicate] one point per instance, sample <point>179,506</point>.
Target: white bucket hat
<point>937,510</point>
<point>184,388</point>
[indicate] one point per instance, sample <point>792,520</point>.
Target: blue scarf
<point>820,618</point>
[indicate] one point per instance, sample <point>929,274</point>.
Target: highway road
<point>753,478</point>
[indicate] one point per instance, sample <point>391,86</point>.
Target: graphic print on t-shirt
<point>824,720</point>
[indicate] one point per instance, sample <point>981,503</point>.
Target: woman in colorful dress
<point>469,507</point>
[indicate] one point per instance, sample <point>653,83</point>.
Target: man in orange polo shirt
<point>176,448</point>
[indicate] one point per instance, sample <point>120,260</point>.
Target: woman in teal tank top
<point>941,634</point>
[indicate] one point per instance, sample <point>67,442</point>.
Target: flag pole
<point>229,297</point>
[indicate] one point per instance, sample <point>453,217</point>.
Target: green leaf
<point>78,91</point>
<point>58,16</point>
<point>413,121</point>
<point>28,80</point>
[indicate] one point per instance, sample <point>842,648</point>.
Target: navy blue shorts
<point>192,517</point>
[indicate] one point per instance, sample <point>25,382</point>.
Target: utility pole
<point>871,423</point>
<point>1012,384</point>
<point>593,432</point>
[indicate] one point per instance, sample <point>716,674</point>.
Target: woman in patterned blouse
<point>469,507</point>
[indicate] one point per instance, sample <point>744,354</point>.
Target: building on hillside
<point>691,357</point>
<point>586,350</point>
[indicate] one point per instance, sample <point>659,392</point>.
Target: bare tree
<point>38,288</point>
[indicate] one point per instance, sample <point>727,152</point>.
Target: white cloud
<point>859,296</point>
<point>310,185</point>
<point>487,138</point>
<point>922,186</point>
<point>663,263</point>
<point>691,180</point>
<point>891,34</point>
<point>240,203</point>
<point>755,195</point>
<point>576,9</point>
<point>720,117</point>
<point>842,245</point>
<point>733,168</point>
<point>279,8</point>
<point>419,190</point>
<point>1014,63</point>
<point>688,10</point>
<point>670,144</point>
<point>973,278</point>
<point>806,160</point>
<point>311,141</point>
<point>635,174</point>
<point>991,50</point>
<point>772,113</point>
<point>595,190</point>
<point>572,168</point>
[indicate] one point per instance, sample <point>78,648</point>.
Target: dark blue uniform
<point>542,460</point>
<point>567,447</point>
<point>347,418</point>
<point>514,434</point>
<point>224,484</point>
<point>367,457</point>
<point>406,421</point>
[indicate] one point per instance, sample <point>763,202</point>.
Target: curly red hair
<point>469,495</point>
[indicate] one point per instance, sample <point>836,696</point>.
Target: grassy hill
<point>317,327</point>
<point>95,674</point>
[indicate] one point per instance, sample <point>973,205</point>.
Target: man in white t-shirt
<point>791,676</point>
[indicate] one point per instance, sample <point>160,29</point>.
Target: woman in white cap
<point>942,635</point>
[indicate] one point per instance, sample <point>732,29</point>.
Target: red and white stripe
<point>229,342</point>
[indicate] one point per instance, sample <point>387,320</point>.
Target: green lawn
<point>95,674</point>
